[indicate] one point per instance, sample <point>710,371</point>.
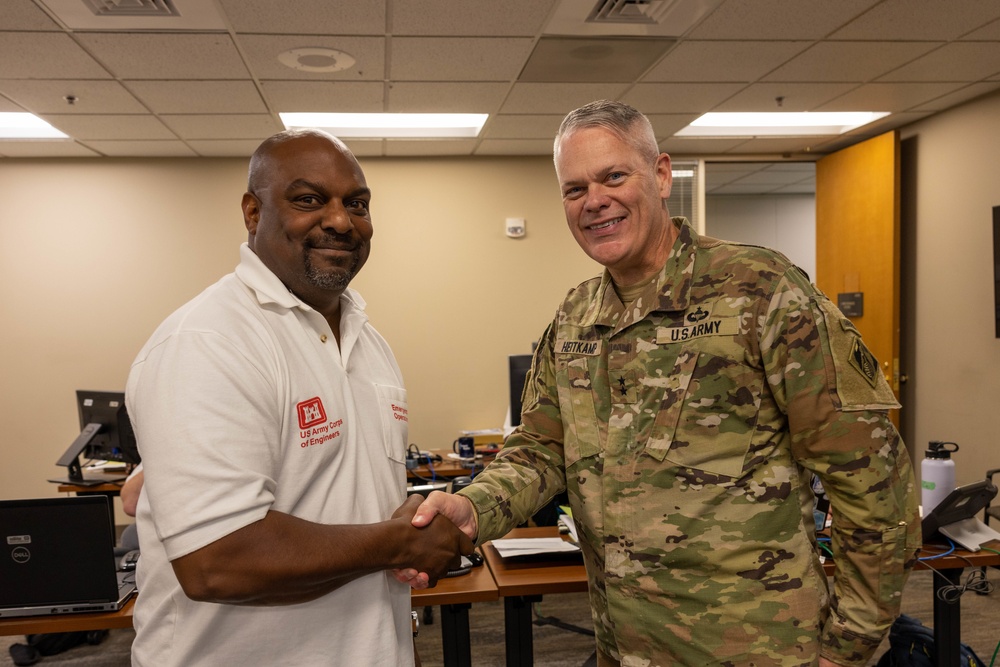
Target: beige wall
<point>955,368</point>
<point>95,253</point>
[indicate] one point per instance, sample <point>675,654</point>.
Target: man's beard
<point>335,278</point>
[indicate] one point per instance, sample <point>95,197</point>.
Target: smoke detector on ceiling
<point>316,59</point>
<point>629,18</point>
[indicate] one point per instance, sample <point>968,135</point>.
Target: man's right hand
<point>457,508</point>
<point>433,547</point>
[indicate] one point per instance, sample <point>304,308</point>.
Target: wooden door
<point>857,241</point>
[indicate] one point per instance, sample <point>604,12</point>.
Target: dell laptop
<point>57,557</point>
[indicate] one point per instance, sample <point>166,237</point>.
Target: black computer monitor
<point>105,433</point>
<point>518,366</point>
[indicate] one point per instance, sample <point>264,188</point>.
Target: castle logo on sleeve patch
<point>864,362</point>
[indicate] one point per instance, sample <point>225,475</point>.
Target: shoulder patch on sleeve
<point>864,362</point>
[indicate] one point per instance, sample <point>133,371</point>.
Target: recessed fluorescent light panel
<point>390,125</point>
<point>17,125</point>
<point>778,124</point>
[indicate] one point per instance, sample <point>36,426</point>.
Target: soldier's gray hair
<point>620,118</point>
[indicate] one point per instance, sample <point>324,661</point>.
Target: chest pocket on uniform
<point>582,438</point>
<point>708,414</point>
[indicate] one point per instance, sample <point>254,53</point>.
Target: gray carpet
<point>555,647</point>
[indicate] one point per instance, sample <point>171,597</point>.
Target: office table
<point>455,596</point>
<point>947,615</point>
<point>102,620</point>
<point>521,582</point>
<point>447,468</point>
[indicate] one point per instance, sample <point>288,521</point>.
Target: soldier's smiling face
<point>613,198</point>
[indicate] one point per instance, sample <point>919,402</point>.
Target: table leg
<point>947,620</point>
<point>455,642</point>
<point>517,626</point>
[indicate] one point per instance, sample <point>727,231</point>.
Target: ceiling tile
<point>166,55</point>
<point>223,126</point>
<point>450,97</point>
<point>653,98</point>
<point>849,61</point>
<point>142,148</point>
<point>596,59</point>
<point>778,19</point>
<point>324,96</point>
<point>664,125</point>
<point>794,96</point>
<point>239,97</point>
<point>24,15</point>
<point>990,32</point>
<point>723,61</point>
<point>49,96</point>
<point>243,148</point>
<point>959,96</point>
<point>46,55</point>
<point>776,145</point>
<point>699,146</point>
<point>110,126</point>
<point>892,97</point>
<point>958,61</point>
<point>45,149</point>
<point>905,19</point>
<point>7,105</point>
<point>557,98</point>
<point>262,53</point>
<point>457,58</point>
<point>522,127</point>
<point>321,17</point>
<point>515,147</point>
<point>402,148</point>
<point>470,17</point>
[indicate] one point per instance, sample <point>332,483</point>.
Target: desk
<point>446,468</point>
<point>947,615</point>
<point>455,595</point>
<point>520,583</point>
<point>102,620</point>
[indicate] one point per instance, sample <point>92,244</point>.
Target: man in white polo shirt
<point>272,423</point>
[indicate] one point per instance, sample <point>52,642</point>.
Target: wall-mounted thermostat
<point>514,227</point>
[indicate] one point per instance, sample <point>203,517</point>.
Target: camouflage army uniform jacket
<point>685,429</point>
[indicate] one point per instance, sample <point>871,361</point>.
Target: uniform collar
<point>670,291</point>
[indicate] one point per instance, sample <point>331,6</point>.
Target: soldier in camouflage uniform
<point>684,400</point>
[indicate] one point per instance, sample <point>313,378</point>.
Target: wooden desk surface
<point>32,625</point>
<point>535,577</point>
<point>476,586</point>
<point>958,559</point>
<point>447,467</point>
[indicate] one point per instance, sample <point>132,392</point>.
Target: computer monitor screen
<point>518,365</point>
<point>105,432</point>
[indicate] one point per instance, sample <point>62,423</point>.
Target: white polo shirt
<point>243,402</point>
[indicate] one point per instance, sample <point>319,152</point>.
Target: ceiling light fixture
<point>390,125</point>
<point>778,124</point>
<point>317,59</point>
<point>19,125</point>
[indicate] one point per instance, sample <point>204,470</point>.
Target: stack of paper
<point>533,546</point>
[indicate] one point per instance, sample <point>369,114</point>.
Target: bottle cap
<point>940,450</point>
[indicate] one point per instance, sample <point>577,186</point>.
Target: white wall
<point>786,223</point>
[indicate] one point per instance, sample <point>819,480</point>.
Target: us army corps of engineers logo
<point>864,361</point>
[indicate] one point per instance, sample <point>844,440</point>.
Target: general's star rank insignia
<point>864,361</point>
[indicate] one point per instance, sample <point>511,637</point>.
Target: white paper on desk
<point>531,546</point>
<point>567,520</point>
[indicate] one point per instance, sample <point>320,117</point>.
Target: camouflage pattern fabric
<point>685,428</point>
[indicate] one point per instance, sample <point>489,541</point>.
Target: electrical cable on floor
<point>555,622</point>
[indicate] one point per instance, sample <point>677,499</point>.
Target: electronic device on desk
<point>105,433</point>
<point>955,516</point>
<point>518,366</point>
<point>468,562</point>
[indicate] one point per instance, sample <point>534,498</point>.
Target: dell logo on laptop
<point>20,555</point>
